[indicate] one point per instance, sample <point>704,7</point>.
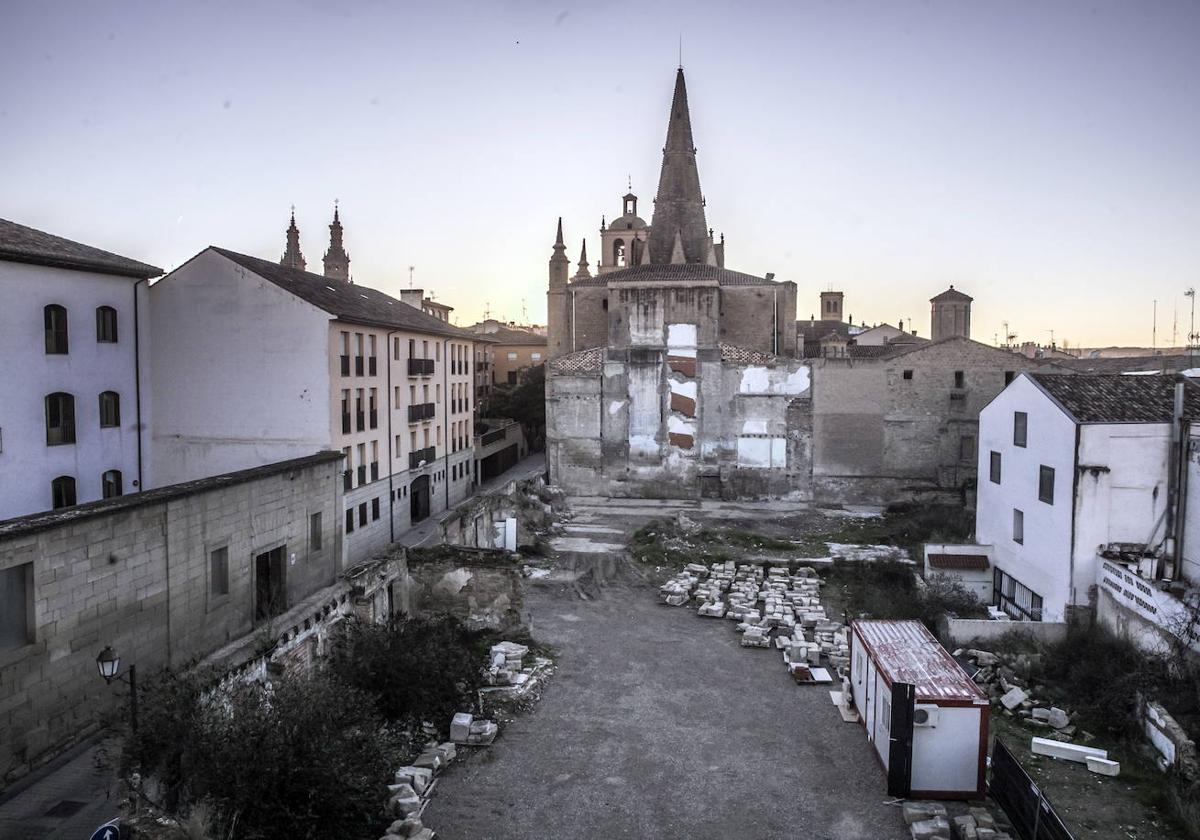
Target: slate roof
<point>507,335</point>
<point>347,301</point>
<point>22,244</point>
<point>951,294</point>
<point>1106,398</point>
<point>1131,364</point>
<point>675,273</point>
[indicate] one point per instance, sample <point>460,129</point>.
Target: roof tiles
<point>19,243</point>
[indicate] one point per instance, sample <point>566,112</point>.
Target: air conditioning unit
<point>925,715</point>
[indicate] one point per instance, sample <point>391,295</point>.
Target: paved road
<point>658,725</point>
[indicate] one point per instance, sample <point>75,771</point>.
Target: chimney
<point>413,297</point>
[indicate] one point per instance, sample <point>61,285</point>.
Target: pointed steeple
<point>560,265</point>
<point>679,205</point>
<point>710,251</point>
<point>558,240</point>
<point>337,261</point>
<point>292,258</point>
<point>645,247</point>
<point>677,255</point>
<point>583,273</point>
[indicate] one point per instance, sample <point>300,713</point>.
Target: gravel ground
<point>658,725</point>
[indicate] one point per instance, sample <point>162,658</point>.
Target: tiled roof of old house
<point>1130,364</point>
<point>510,336</point>
<point>1105,398</point>
<point>19,243</point>
<point>951,294</point>
<point>345,300</point>
<point>668,273</point>
<point>583,362</point>
<point>745,356</point>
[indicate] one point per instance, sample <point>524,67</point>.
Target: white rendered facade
<point>1110,486</point>
<point>28,463</point>
<point>249,373</point>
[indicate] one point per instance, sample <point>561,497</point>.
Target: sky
<point>1042,157</point>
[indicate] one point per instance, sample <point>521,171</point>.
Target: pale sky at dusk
<point>1042,157</point>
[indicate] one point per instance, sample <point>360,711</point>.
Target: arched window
<point>619,253</point>
<point>56,329</point>
<point>106,325</point>
<point>62,492</point>
<point>111,483</point>
<point>60,419</point>
<point>110,409</point>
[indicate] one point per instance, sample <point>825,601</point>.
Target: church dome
<point>627,223</point>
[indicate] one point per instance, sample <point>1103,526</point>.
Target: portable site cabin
<point>924,715</point>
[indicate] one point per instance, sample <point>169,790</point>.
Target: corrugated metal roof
<point>976,562</point>
<point>905,651</point>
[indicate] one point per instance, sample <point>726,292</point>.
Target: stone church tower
<point>337,261</point>
<point>292,258</point>
<point>950,315</point>
<point>679,205</point>
<point>557,305</point>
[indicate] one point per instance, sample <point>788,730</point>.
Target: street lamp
<point>109,664</point>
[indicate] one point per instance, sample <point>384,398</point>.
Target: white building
<point>259,362</point>
<point>1070,465</point>
<point>71,337</point>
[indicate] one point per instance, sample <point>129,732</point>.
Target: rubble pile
<point>410,790</point>
<point>929,821</point>
<point>1006,678</point>
<point>772,608</point>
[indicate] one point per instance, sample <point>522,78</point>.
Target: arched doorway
<point>418,499</point>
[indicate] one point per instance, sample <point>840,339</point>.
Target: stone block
<point>1013,698</point>
<point>460,727</point>
<point>915,811</point>
<point>1103,766</point>
<point>1058,718</point>
<point>1060,749</point>
<point>930,828</point>
<point>447,750</point>
<point>403,801</point>
<point>430,760</point>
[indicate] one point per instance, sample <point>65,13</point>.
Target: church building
<point>670,374</point>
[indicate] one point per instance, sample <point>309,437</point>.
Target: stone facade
<point>165,577</point>
<point>904,424</point>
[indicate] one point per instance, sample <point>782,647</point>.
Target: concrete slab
<point>1061,749</point>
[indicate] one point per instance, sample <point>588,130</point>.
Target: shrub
<point>890,590</point>
<point>417,670</point>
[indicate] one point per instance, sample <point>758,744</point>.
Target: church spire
<point>583,273</point>
<point>337,261</point>
<point>679,205</point>
<point>292,258</point>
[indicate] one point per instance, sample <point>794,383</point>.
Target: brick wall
<point>136,573</point>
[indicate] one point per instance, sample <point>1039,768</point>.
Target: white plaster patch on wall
<point>645,325</point>
<point>680,337</point>
<point>677,425</point>
<point>684,389</point>
<point>761,380</point>
<point>645,402</point>
<point>612,369</point>
<point>615,406</point>
<point>643,445</point>
<point>754,427</point>
<point>762,453</point>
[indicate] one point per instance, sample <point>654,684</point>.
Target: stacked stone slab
<point>464,729</point>
<point>411,787</point>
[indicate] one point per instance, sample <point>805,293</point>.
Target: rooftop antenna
<point>629,182</point>
<point>410,274</point>
<point>524,314</point>
<point>1154,327</point>
<point>680,50</point>
<point>487,310</point>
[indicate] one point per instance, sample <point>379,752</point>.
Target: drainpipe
<point>775,321</point>
<point>1174,461</point>
<point>572,320</point>
<point>446,397</point>
<point>389,357</point>
<point>137,374</point>
<point>1074,520</point>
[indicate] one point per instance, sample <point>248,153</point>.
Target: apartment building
<point>261,362</point>
<point>70,390</point>
<point>516,347</point>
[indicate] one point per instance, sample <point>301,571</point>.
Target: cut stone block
<point>404,801</point>
<point>1061,749</point>
<point>1015,697</point>
<point>914,811</point>
<point>1058,718</point>
<point>460,727</point>
<point>1103,766</point>
<point>930,828</point>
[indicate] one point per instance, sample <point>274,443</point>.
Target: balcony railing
<point>423,411</point>
<point>420,367</point>
<point>421,456</point>
<point>488,438</point>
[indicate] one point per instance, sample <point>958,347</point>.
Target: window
<point>1018,526</point>
<point>218,571</point>
<point>960,381</point>
<point>110,409</point>
<point>16,606</point>
<point>995,471</point>
<point>412,348</point>
<point>56,329</point>
<point>314,531</point>
<point>1046,484</point>
<point>350,521</point>
<point>110,483</point>
<point>1009,376</point>
<point>60,419</point>
<point>966,448</point>
<point>396,349</point>
<point>512,357</point>
<point>537,357</point>
<point>512,377</point>
<point>908,375</point>
<point>1016,599</point>
<point>62,492</point>
<point>1020,428</point>
<point>362,514</point>
<point>106,325</point>
<point>374,508</point>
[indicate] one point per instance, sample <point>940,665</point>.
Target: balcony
<point>494,436</point>
<point>421,456</point>
<point>422,411</point>
<point>358,365</point>
<point>420,367</point>
<point>345,365</point>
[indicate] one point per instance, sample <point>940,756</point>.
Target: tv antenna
<point>410,275</point>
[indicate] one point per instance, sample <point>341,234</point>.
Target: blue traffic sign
<point>111,830</point>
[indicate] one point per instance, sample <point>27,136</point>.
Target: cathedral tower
<point>337,261</point>
<point>557,321</point>
<point>292,258</point>
<point>679,206</point>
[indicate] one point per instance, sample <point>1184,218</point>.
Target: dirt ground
<point>658,725</point>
